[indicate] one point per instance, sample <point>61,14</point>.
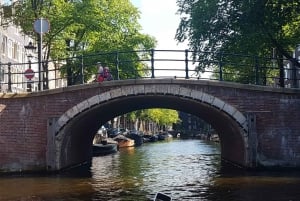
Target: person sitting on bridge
<point>106,74</point>
<point>100,74</point>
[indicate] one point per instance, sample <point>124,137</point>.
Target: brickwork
<point>25,131</point>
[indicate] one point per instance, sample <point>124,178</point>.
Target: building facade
<point>16,58</point>
<point>13,55</point>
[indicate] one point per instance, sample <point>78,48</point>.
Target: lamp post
<point>29,73</point>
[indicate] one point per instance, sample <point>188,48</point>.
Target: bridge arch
<point>75,129</point>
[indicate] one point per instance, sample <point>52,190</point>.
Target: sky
<point>159,19</point>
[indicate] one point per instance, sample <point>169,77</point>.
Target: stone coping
<point>153,81</point>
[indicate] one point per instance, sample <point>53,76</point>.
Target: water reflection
<point>44,188</point>
<point>176,168</point>
<point>184,169</point>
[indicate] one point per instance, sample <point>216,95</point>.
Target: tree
<point>91,27</point>
<point>253,27</point>
<point>159,116</point>
<point>163,117</point>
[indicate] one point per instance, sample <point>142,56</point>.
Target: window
<point>3,45</point>
<point>20,54</point>
<point>9,49</point>
<point>15,51</point>
<point>1,74</point>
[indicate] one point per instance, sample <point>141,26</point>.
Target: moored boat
<point>164,136</point>
<point>150,138</point>
<point>104,149</point>
<point>138,139</point>
<point>123,141</point>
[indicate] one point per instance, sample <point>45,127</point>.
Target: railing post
<point>81,70</point>
<point>9,77</point>
<point>29,86</point>
<point>221,68</point>
<point>186,64</point>
<point>117,65</point>
<point>152,63</point>
<point>256,71</point>
<point>45,75</point>
<point>41,71</point>
<point>294,74</point>
<point>281,71</point>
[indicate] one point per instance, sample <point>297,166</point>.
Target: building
<point>13,56</point>
<point>193,124</point>
<point>15,59</point>
<point>292,72</point>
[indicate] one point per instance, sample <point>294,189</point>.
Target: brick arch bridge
<point>52,130</point>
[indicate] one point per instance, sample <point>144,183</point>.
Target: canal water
<point>184,169</point>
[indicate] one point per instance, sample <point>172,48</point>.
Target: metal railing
<point>150,64</point>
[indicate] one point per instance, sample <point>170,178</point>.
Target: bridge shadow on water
<point>140,173</point>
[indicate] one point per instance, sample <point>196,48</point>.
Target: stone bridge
<point>52,130</point>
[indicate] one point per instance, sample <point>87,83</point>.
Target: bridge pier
<point>252,140</point>
<point>51,153</point>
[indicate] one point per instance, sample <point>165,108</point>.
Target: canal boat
<point>104,149</point>
<point>162,197</point>
<point>164,136</point>
<point>123,141</point>
<point>150,138</point>
<point>138,139</point>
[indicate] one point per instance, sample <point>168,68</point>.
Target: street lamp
<point>29,73</point>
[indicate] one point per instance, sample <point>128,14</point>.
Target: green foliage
<point>253,27</point>
<point>163,117</point>
<point>91,27</point>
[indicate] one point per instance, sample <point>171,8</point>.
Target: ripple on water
<point>185,169</point>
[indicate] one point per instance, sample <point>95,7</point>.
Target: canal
<point>184,169</point>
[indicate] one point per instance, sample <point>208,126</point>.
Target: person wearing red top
<point>100,76</point>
